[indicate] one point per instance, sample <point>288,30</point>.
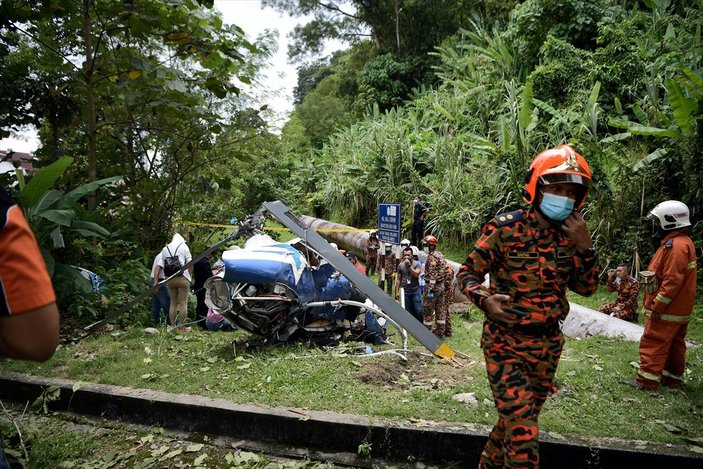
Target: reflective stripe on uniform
<point>649,376</point>
<point>441,322</point>
<point>662,299</point>
<point>669,374</point>
<point>426,323</point>
<point>668,317</point>
<point>692,265</point>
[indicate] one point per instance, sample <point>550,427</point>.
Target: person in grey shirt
<point>408,279</point>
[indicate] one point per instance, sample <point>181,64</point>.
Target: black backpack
<point>172,264</point>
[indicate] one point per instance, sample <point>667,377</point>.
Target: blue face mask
<point>556,207</point>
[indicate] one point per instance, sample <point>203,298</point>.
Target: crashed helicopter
<point>287,291</point>
<point>302,289</point>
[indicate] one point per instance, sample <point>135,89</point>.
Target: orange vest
<point>674,264</point>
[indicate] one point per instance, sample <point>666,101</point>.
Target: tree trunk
<point>90,101</point>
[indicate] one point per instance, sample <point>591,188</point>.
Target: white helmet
<point>405,243</point>
<point>672,214</point>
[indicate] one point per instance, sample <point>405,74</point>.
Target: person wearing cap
<point>533,256</point>
<point>407,278</point>
<point>352,258</point>
<point>372,246</point>
<point>628,288</point>
<point>668,302</point>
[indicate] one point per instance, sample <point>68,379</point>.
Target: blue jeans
<point>413,303</point>
<point>159,302</point>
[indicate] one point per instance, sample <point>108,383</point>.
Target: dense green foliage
<point>620,82</point>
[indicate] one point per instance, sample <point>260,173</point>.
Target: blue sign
<point>389,223</point>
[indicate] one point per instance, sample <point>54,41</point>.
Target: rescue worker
<point>668,304</point>
<point>448,296</point>
<point>389,263</point>
<point>434,292</point>
<point>372,246</point>
<point>628,288</point>
<point>532,256</point>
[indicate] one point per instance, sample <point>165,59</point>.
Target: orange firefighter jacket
<point>674,264</point>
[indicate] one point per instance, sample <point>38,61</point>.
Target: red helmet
<point>557,165</point>
<point>429,239</point>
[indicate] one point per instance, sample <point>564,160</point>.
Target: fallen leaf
<point>695,449</point>
<point>635,365</point>
<point>159,451</point>
<point>571,373</point>
<point>244,366</point>
<point>212,360</point>
<point>696,441</point>
<point>199,460</point>
<point>205,368</point>
<point>170,455</point>
<point>597,368</point>
<point>147,376</point>
<point>147,350</point>
<point>671,428</point>
<point>195,448</point>
<point>356,363</point>
<point>147,360</point>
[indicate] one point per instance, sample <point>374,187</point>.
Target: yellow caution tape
<point>280,228</point>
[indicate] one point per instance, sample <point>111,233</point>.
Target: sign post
<point>389,223</point>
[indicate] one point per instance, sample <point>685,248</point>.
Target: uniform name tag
<point>522,255</point>
<point>563,252</point>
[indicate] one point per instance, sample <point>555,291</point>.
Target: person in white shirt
<point>179,285</point>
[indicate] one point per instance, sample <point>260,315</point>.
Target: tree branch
<point>333,7</point>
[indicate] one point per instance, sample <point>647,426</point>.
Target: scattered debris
<point>466,398</point>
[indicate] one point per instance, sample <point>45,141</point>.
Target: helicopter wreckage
<point>304,289</point>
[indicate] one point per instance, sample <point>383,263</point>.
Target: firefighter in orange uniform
<point>532,256</point>
<point>668,303</point>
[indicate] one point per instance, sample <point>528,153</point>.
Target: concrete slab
<point>402,441</point>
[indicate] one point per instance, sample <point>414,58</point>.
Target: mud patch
<point>380,373</point>
<point>427,374</point>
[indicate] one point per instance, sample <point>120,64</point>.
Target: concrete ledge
<point>400,441</point>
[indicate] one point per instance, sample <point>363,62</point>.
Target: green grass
<point>60,441</point>
<point>591,402</point>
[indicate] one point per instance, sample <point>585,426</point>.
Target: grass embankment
<point>590,403</point>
